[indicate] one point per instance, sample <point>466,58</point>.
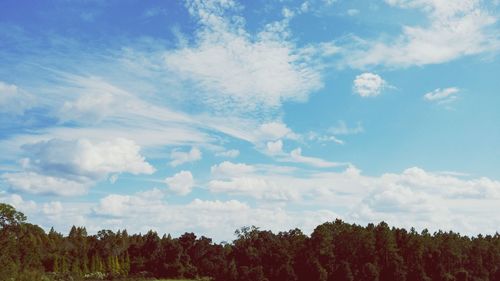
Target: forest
<point>334,251</point>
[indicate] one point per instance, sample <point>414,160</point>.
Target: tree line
<point>335,251</point>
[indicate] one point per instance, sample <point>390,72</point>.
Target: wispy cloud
<point>342,129</point>
<point>14,100</point>
<point>231,153</point>
<point>454,29</point>
<point>297,157</point>
<point>442,96</point>
<point>242,58</point>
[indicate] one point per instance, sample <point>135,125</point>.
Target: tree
<point>9,217</point>
<point>343,272</point>
<point>10,232</point>
<point>370,272</point>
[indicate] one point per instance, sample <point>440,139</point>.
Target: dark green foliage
<point>335,251</point>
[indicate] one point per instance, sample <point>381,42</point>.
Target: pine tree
<point>117,266</point>
<point>123,271</point>
<point>75,268</point>
<point>126,265</point>
<point>56,265</point>
<point>110,265</point>
<point>85,265</point>
<point>100,264</point>
<point>93,264</point>
<point>64,266</point>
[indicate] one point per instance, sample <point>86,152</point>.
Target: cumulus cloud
<point>35,183</point>
<point>206,205</point>
<point>255,187</point>
<point>250,180</point>
<point>86,160</point>
<point>66,168</point>
<point>180,157</point>
<point>368,85</point>
<point>414,197</point>
<point>425,199</point>
<point>446,185</point>
<point>275,147</point>
<point>275,130</point>
<point>181,183</point>
<point>229,169</point>
<point>213,218</point>
<point>441,96</point>
<point>27,206</point>
<point>117,205</point>
<point>53,208</point>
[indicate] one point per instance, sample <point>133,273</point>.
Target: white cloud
<point>313,136</point>
<point>181,183</point>
<point>229,169</point>
<point>223,207</point>
<point>71,167</point>
<point>445,95</point>
<point>275,130</point>
<point>103,107</point>
<point>13,100</point>
<point>455,29</point>
<point>249,180</point>
<point>86,160</point>
<point>297,157</point>
<point>368,84</point>
<point>53,208</point>
<point>255,72</point>
<point>414,197</point>
<point>446,185</point>
<point>144,203</point>
<point>31,182</point>
<point>275,147</point>
<point>96,100</point>
<point>286,199</point>
<point>342,129</point>
<point>304,7</point>
<point>180,157</point>
<point>255,187</point>
<point>114,205</point>
<point>27,206</point>
<point>399,199</point>
<point>213,218</point>
<point>232,153</point>
<point>352,12</point>
<point>154,11</point>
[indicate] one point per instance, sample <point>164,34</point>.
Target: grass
<point>164,279</point>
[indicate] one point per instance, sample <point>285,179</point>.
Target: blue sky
<point>206,116</point>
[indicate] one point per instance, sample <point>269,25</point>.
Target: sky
<point>207,116</point>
